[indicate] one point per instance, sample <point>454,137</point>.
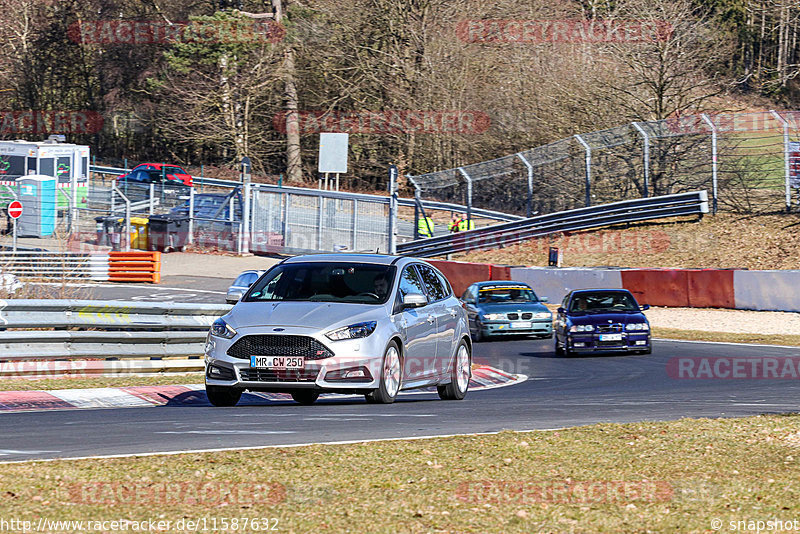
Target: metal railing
<point>148,336</point>
<point>628,211</point>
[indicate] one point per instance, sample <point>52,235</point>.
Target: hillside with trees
<point>201,81</point>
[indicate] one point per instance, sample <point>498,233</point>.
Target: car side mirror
<point>414,300</point>
<point>560,310</point>
<point>235,295</point>
<point>544,299</point>
<point>645,307</point>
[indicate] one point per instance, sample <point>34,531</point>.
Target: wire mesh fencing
<point>748,162</point>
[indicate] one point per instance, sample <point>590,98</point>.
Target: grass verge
<point>726,337</point>
<point>642,477</point>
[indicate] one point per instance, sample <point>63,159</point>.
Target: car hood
<point>493,307</point>
<point>315,315</point>
<point>606,318</point>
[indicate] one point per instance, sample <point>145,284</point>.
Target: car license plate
<point>521,324</point>
<point>277,362</point>
<point>610,337</point>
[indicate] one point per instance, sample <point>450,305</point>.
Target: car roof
<point>600,290</point>
<point>159,165</point>
<point>380,259</point>
<point>501,283</point>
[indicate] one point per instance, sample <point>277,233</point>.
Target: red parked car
<point>173,171</point>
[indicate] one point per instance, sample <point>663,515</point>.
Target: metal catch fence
<point>750,162</point>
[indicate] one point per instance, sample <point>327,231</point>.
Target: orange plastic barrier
<point>134,267</point>
<point>711,288</point>
<point>658,288</point>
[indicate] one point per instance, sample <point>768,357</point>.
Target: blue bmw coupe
<point>601,320</point>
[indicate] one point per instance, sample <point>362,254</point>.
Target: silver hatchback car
<point>345,323</point>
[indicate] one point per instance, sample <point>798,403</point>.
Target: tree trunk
<point>294,163</point>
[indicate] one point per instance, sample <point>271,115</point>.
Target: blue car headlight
<point>354,331</point>
<point>632,327</point>
<point>494,316</point>
<point>543,315</point>
<point>582,328</point>
<point>222,329</point>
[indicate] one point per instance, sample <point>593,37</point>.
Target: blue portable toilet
<point>38,196</point>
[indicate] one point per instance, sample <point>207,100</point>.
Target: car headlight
<point>543,315</point>
<point>637,326</point>
<point>493,316</point>
<point>220,328</point>
<point>354,331</point>
<point>582,328</point>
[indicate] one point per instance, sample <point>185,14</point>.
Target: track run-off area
<point>558,393</point>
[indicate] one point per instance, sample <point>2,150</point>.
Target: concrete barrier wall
<point>695,288</point>
<point>555,283</point>
<point>767,290</point>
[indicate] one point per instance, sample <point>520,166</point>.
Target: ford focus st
<point>343,323</point>
<point>601,320</point>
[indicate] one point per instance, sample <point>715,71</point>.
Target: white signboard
<point>333,152</point>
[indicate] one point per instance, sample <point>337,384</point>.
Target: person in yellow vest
<point>425,227</point>
<point>455,222</point>
<point>465,224</point>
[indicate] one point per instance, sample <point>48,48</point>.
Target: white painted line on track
<point>728,343</point>
<point>100,398</point>
<point>226,432</point>
<point>287,446</point>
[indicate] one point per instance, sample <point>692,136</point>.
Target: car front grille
<point>610,343</point>
<point>512,316</point>
<point>527,316</point>
<point>277,345</point>
<point>251,374</point>
<point>609,328</point>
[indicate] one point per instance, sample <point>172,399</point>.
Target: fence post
<point>245,228</point>
<point>321,201</point>
<point>190,237</point>
<point>588,169</point>
<point>285,219</point>
<point>646,157</point>
<point>152,196</point>
<point>530,184</point>
<point>714,190</point>
<point>392,209</point>
<point>786,165</point>
<point>355,225</point>
<point>469,195</point>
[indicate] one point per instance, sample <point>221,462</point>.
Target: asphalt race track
<point>561,392</point>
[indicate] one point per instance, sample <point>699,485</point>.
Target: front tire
<point>557,348</point>
<point>459,375</point>
<point>305,397</point>
<point>221,396</point>
<point>478,337</point>
<point>391,377</point>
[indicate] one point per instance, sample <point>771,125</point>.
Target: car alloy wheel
<point>391,376</point>
<point>459,375</point>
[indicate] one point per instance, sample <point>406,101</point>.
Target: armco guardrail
<point>97,266</point>
<point>269,188</point>
<point>146,336</point>
<point>628,211</point>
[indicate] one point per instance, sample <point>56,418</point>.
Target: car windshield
<point>357,283</point>
<point>500,294</point>
<point>603,302</point>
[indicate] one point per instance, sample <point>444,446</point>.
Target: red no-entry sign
<point>15,209</point>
